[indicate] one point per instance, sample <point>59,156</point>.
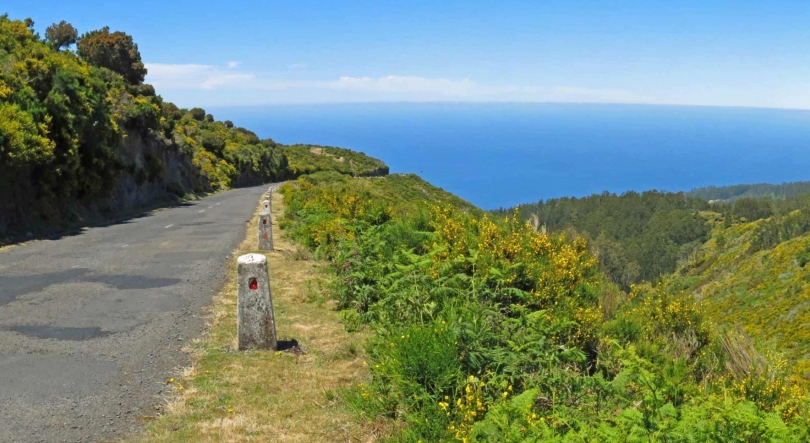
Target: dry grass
<point>321,151</point>
<point>231,396</point>
<point>742,356</point>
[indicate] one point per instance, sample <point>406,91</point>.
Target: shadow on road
<point>50,232</point>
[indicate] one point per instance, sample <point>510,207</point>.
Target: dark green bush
<point>197,114</point>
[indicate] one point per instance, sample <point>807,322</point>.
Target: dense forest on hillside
<point>644,236</point>
<point>758,190</point>
<point>80,132</point>
<point>491,329</point>
<point>636,236</point>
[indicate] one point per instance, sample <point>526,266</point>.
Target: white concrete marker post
<point>266,231</point>
<point>266,223</point>
<point>256,323</point>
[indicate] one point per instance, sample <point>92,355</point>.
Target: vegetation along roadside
<point>290,396</point>
<point>489,329</point>
<point>463,327</point>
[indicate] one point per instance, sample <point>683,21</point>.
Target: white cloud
<point>230,84</point>
<point>171,76</point>
<point>233,86</point>
<point>218,81</point>
<point>194,76</point>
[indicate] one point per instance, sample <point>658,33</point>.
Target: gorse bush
<point>227,156</point>
<point>57,128</point>
<point>115,51</point>
<point>491,330</point>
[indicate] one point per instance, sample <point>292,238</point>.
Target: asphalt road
<point>92,325</point>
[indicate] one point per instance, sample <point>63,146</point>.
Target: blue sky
<point>215,53</point>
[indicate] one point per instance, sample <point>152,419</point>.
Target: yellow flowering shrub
<point>467,409</point>
<point>455,297</point>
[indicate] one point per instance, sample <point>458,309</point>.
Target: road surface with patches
<point>92,325</point>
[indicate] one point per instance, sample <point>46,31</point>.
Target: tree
<point>115,51</point>
<point>197,114</point>
<point>61,35</point>
<point>171,111</point>
<point>753,209</point>
<point>212,141</point>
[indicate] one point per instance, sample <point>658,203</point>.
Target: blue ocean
<point>499,155</point>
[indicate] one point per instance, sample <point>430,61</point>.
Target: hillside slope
<point>306,159</point>
<point>754,275</point>
<point>492,330</point>
<point>636,236</point>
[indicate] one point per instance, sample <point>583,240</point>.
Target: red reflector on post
<point>264,222</point>
<point>253,284</point>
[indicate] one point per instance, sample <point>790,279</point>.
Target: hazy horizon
<point>504,154</point>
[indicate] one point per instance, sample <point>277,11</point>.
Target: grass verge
<point>232,396</point>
